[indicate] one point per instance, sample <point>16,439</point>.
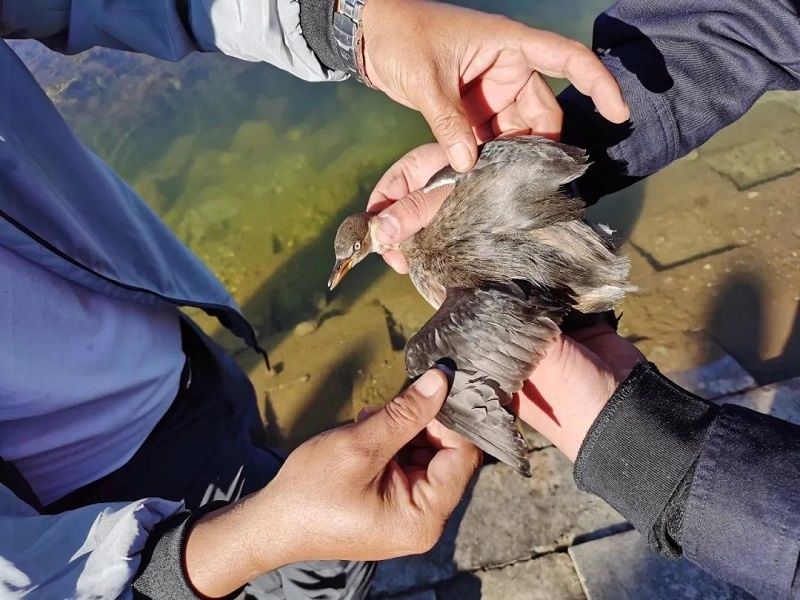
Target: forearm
<point>687,69</point>
<point>698,480</point>
<point>234,544</point>
<point>266,31</point>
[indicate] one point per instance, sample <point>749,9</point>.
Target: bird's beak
<point>340,269</point>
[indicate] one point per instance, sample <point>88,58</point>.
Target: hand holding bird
<point>506,257</point>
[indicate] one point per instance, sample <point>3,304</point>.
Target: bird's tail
<point>495,433</point>
<point>610,282</point>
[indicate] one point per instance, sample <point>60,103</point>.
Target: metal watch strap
<point>346,22</point>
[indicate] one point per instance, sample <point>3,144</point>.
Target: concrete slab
<point>697,363</point>
<point>550,577</point>
<point>719,378</point>
<point>534,439</point>
<point>622,567</point>
<point>510,518</point>
<point>670,239</point>
<point>758,161</point>
<point>781,400</point>
<point>505,518</point>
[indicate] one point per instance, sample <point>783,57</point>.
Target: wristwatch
<point>347,35</point>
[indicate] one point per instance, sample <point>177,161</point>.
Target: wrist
<point>233,545</point>
<point>566,393</point>
<point>348,33</point>
<point>642,446</point>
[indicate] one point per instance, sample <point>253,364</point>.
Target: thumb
<point>444,112</point>
<point>388,430</point>
<point>405,217</point>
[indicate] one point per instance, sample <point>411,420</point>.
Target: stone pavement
<point>542,538</point>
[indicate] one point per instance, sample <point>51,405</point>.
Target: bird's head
<point>352,245</point>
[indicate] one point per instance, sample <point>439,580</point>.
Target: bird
<point>504,260</point>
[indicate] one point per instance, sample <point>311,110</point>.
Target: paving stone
<point>623,567</point>
<point>550,577</point>
<point>511,518</point>
<point>534,439</point>
<point>758,161</point>
<point>669,239</point>
<point>697,363</point>
<point>721,377</point>
<point>781,400</point>
<point>505,518</point>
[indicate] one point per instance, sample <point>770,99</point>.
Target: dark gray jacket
<point>722,487</point>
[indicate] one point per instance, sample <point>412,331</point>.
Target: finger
<point>441,437</point>
<point>441,106</point>
<point>403,218</point>
<point>409,173</point>
<point>365,412</point>
<point>384,433</point>
<point>557,56</point>
<point>488,97</point>
<point>539,109</point>
<point>421,457</point>
<point>396,260</point>
<point>509,122</point>
<point>441,486</point>
<point>590,77</point>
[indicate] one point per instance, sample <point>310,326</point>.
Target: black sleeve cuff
<point>640,452</point>
<point>162,573</point>
<point>316,22</point>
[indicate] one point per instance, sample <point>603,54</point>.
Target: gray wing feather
<point>517,184</point>
<point>494,337</point>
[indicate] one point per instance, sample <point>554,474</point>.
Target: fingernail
<point>448,371</point>
<point>388,228</point>
<point>460,156</point>
<point>429,384</point>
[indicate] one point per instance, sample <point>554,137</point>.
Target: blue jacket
<point>64,209</point>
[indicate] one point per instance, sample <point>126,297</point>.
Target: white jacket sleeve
<point>253,30</point>
<point>91,552</point>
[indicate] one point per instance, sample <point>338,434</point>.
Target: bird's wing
<point>493,336</point>
<point>517,184</point>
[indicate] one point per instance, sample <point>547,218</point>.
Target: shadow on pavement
<point>738,322</point>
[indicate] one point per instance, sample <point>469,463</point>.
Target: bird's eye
<point>357,246</point>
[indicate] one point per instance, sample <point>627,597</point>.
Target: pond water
<point>254,170</point>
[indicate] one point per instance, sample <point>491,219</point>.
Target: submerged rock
<point>306,327</point>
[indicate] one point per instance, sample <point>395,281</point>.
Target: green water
<point>249,166</point>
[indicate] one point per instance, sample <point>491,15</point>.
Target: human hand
<point>474,76</point>
<point>404,207</point>
<point>380,488</point>
<point>573,382</point>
